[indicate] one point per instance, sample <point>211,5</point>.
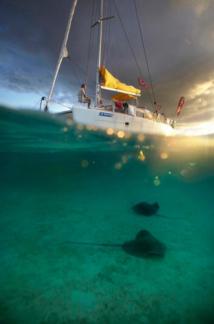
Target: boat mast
<point>63,52</point>
<point>98,89</point>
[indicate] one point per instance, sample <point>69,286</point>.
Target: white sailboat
<point>133,120</point>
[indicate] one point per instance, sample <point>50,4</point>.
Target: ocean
<point>66,204</point>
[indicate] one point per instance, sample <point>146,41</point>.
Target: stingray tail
<point>112,245</point>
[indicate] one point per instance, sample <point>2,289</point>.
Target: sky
<point>178,36</point>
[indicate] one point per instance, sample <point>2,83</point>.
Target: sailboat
<point>130,117</point>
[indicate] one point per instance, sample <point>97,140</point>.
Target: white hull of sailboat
<point>117,121</point>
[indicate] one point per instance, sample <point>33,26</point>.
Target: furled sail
<point>109,82</point>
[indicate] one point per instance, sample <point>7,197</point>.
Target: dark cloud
<point>178,35</point>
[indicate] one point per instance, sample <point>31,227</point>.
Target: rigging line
<point>89,43</point>
<point>104,34</point>
<point>93,46</point>
<point>76,72</point>
<point>127,38</point>
<point>106,28</point>
<point>78,66</point>
<point>145,53</point>
<point>108,42</point>
<point>76,81</point>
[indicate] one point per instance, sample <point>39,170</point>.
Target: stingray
<point>146,209</point>
<point>144,245</point>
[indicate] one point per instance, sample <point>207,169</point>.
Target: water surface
<point>62,184</point>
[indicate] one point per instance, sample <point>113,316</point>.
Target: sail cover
<point>109,82</point>
<point>122,97</point>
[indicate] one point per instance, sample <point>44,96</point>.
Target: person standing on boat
<point>156,113</point>
<point>83,98</point>
<point>125,107</point>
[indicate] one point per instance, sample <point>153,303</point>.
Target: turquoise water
<point>62,185</point>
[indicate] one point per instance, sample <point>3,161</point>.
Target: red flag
<point>143,83</point>
<point>180,105</point>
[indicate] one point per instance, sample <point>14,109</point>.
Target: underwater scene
<point>103,227</point>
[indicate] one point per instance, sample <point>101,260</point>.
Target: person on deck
<point>83,98</point>
<point>118,106</point>
<point>164,119</point>
<point>125,107</point>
